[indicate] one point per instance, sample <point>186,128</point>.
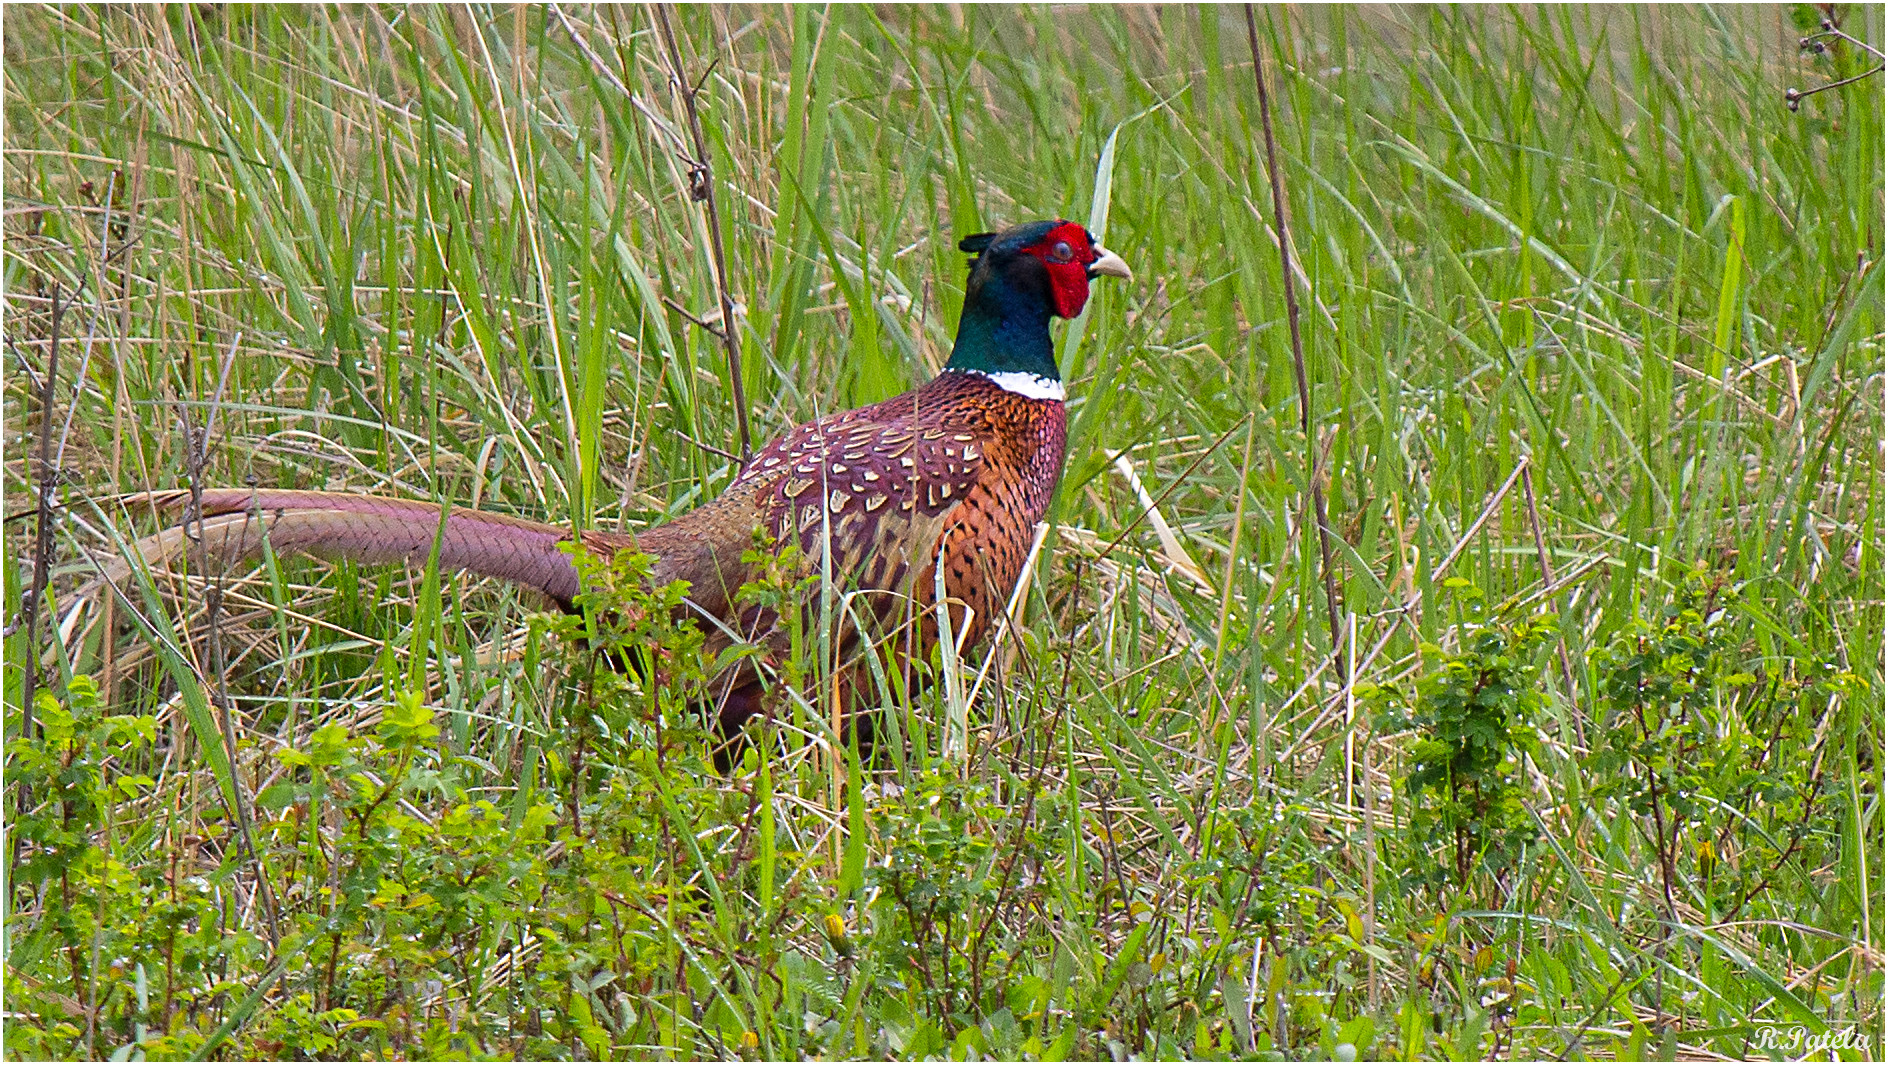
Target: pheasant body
<point>953,475</point>
<point>947,480</point>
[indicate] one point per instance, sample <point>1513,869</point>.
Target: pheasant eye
<point>1061,253</point>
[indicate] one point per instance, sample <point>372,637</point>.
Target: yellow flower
<point>835,928</point>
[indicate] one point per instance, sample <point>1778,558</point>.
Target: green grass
<point>433,252</point>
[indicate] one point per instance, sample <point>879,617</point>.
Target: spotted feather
<point>955,473</point>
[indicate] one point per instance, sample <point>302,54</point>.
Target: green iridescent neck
<point>1003,331</point>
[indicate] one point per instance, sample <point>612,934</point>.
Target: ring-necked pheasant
<point>955,473</point>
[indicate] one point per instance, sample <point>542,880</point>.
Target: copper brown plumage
<point>951,476</point>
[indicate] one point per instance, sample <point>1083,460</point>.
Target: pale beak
<point>1109,265</point>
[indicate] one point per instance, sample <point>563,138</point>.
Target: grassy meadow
<point>1592,323</point>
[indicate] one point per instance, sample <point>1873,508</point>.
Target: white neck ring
<point>1026,385</point>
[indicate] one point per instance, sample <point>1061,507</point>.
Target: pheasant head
<point>1019,279</point>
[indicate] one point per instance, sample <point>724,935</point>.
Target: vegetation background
<point>1593,325</point>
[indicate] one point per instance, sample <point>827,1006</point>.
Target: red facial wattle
<point>1068,277</point>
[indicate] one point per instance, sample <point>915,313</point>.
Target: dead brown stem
<point>1297,339</point>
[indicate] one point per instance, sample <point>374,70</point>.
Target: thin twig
<point>1370,848</point>
<point>1830,29</point>
<point>1794,97</point>
<point>1547,575</point>
<point>194,459</point>
<point>1016,845</point>
<point>91,326</point>
<point>1488,511</point>
<point>42,548</point>
<point>697,169</point>
<point>1297,338</point>
<point>702,188</point>
<point>1010,618</point>
<point>709,448</point>
<point>1177,482</point>
<point>676,306</point>
<point>596,61</point>
<point>656,122</point>
<point>1232,546</point>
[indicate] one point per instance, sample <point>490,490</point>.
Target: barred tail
<point>335,525</point>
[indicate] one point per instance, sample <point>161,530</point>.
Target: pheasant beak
<point>1110,265</point>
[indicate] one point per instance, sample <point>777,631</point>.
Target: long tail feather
<point>236,522</point>
<point>369,529</point>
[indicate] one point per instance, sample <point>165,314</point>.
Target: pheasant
<point>952,475</point>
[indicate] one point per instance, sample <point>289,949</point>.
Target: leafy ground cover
<point>1593,324</point>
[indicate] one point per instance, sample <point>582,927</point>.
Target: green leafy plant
<point>936,887</point>
<point>1661,751</point>
<point>65,784</point>
<point>1475,716</point>
<point>1691,739</point>
<point>67,770</point>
